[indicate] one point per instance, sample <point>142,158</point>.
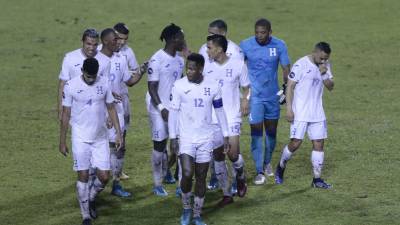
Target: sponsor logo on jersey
<point>187,92</point>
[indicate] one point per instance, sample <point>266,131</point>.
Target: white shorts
<point>90,154</point>
<point>159,128</point>
<point>127,111</point>
<point>218,137</point>
<point>112,133</point>
<point>315,130</point>
<point>234,129</point>
<point>201,152</point>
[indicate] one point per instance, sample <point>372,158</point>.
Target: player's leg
<point>218,142</point>
<point>202,159</point>
<point>317,133</point>
<point>187,167</point>
<point>297,131</point>
<point>271,117</point>
<point>100,158</point>
<point>238,163</point>
<point>116,169</point>
<point>256,118</point>
<point>221,172</point>
<point>81,157</point>
<point>159,137</point>
<point>127,119</point>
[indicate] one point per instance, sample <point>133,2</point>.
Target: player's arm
<point>289,100</point>
<point>222,120</point>
<point>61,84</point>
<point>173,120</point>
<point>65,117</point>
<point>326,75</point>
<point>112,113</point>
<point>137,75</point>
<point>153,81</point>
<point>245,84</point>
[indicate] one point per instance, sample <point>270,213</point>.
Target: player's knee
<point>318,145</point>
<point>219,154</point>
<point>187,173</point>
<point>294,144</point>
<point>160,146</point>
<point>83,176</point>
<point>256,129</point>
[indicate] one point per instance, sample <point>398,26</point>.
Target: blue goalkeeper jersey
<point>262,63</point>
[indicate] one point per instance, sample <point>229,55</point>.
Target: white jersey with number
<point>230,76</point>
<point>165,69</point>
<point>195,105</point>
<point>73,62</point>
<point>233,51</point>
<point>88,107</point>
<point>307,99</point>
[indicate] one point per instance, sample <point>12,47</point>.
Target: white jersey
<point>133,65</point>
<point>88,107</point>
<point>307,99</point>
<point>230,76</point>
<point>166,70</point>
<point>73,62</point>
<point>233,51</point>
<point>195,104</point>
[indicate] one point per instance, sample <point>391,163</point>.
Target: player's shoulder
<point>233,44</point>
<point>180,83</point>
<point>247,42</point>
<point>203,48</point>
<point>75,54</point>
<point>209,81</point>
<point>277,41</point>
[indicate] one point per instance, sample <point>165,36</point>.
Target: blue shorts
<point>261,110</point>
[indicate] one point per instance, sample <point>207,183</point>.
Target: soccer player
<point>86,99</point>
<point>219,26</point>
<point>305,112</point>
<point>72,62</point>
<point>231,74</point>
<point>192,100</point>
<point>165,67</point>
<point>119,75</point>
<point>263,53</point>
<point>123,34</point>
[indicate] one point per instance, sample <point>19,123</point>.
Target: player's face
<point>320,57</point>
<point>180,41</point>
<point>89,78</point>
<point>193,71</point>
<point>89,46</point>
<point>122,40</point>
<point>112,42</point>
<point>212,50</point>
<point>262,34</point>
<point>215,30</point>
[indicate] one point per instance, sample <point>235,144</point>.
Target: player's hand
<point>119,141</point>
<point>289,115</point>
<point>143,68</point>
<point>244,107</point>
<point>109,123</point>
<point>117,97</point>
<point>227,146</point>
<point>164,114</point>
<point>322,68</point>
<point>63,149</point>
<point>174,146</point>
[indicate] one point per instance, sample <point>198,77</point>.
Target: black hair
<point>263,23</point>
<point>220,24</point>
<point>121,28</point>
<point>323,46</point>
<point>90,32</point>
<point>197,58</point>
<point>219,40</point>
<point>106,32</point>
<point>91,66</point>
<point>169,32</point>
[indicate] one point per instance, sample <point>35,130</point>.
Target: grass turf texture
<point>38,184</point>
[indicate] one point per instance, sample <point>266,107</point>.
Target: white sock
<point>222,175</point>
<point>317,160</point>
<point>238,165</point>
<point>115,169</point>
<point>286,155</point>
<point>156,163</point>
<point>164,163</point>
<point>95,189</point>
<point>198,205</point>
<point>186,200</point>
<point>83,198</point>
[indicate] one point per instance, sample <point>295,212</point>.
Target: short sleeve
<point>153,70</point>
<point>66,95</point>
<point>64,73</point>
<point>175,100</point>
<point>284,57</point>
<point>296,72</point>
<point>244,77</point>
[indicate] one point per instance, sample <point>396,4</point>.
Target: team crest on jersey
<point>100,90</point>
<point>291,75</point>
<point>150,70</point>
